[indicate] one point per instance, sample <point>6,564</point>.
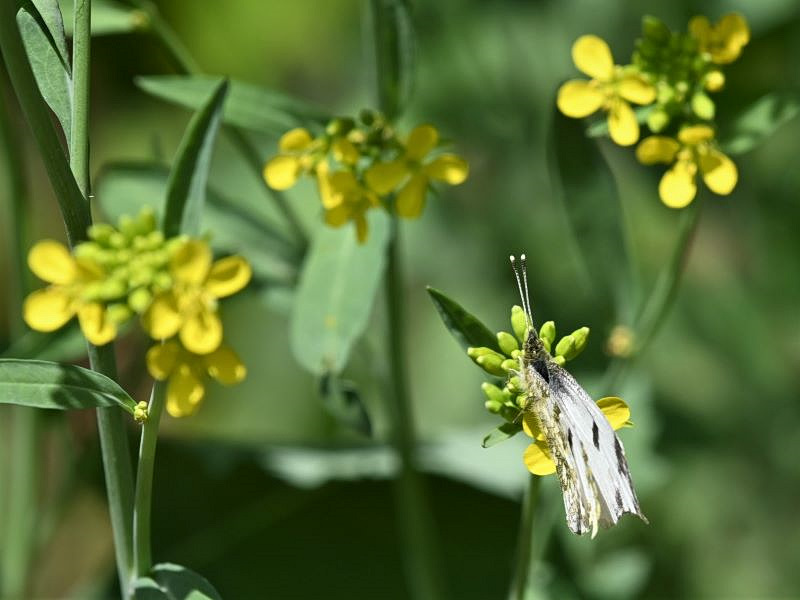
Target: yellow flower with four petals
<point>189,307</point>
<point>693,151</point>
<point>722,42</point>
<point>298,154</point>
<point>611,89</point>
<point>74,283</point>
<point>345,199</point>
<point>537,456</point>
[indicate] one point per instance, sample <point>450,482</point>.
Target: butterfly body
<point>589,457</point>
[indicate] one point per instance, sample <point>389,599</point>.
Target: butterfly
<point>590,459</point>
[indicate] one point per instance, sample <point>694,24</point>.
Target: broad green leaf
<point>393,38</point>
<point>249,106</point>
<point>108,18</point>
<point>465,327</point>
<point>44,384</point>
<point>500,434</point>
<point>125,188</point>
<point>186,187</point>
<point>337,287</point>
<point>759,121</point>
<point>591,201</point>
<point>343,402</point>
<point>167,581</point>
<point>42,31</point>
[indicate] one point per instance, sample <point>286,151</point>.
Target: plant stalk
<point>416,520</point>
<point>525,563</point>
<point>144,481</point>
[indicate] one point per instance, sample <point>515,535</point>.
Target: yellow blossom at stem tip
<point>295,158</point>
<point>724,41</point>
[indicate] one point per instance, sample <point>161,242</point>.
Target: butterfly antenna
<point>523,291</point>
<point>528,310</point>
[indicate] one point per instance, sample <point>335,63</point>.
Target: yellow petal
<point>421,140</point>
<point>531,427</point>
<point>185,391</point>
<point>295,140</point>
<point>338,215</point>
<point>95,324</point>
<point>282,172</point>
<point>326,193</point>
<point>700,29</point>
<point>362,228</point>
<point>695,134</point>
<point>635,89</point>
<point>52,262</point>
<point>449,168</point>
<point>411,198</point>
<point>384,177</point>
<point>161,360</point>
<point>579,98</point>
<point>733,33</point>
<point>622,124</point>
<point>47,309</point>
<point>719,172</point>
<point>228,276</point>
<point>225,366</point>
<point>202,332</point>
<point>677,187</point>
<point>592,56</point>
<point>615,410</point>
<point>537,459</point>
<point>345,152</point>
<point>657,149</point>
<point>162,319</point>
<point>191,262</point>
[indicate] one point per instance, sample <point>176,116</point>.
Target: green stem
<point>144,482</point>
<point>416,520</point>
<point>81,55</point>
<point>525,563</point>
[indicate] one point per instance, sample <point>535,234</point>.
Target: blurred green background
<point>268,497</point>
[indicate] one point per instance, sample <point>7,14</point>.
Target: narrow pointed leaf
<point>500,434</point>
<point>465,327</point>
<point>108,18</point>
<point>44,384</point>
<point>167,581</point>
<point>759,121</point>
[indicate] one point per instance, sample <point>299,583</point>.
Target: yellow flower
<point>611,89</point>
<point>537,456</point>
<point>345,199</point>
<point>724,41</point>
<point>189,307</point>
<point>298,154</point>
<point>692,151</point>
<point>74,283</point>
<point>412,175</point>
<point>186,371</point>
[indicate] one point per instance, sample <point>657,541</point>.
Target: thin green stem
<point>142,552</point>
<point>81,55</point>
<point>416,519</point>
<point>525,563</point>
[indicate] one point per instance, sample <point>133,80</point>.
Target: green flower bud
<point>492,406</point>
<point>519,322</point>
<point>714,81</point>
<point>547,333</point>
<point>514,385</point>
<point>494,393</point>
<point>146,221</point>
<point>521,400</point>
<point>580,336</point>
<point>367,116</point>
<point>509,365</point>
<point>113,288</point>
<point>117,240</point>
<point>565,347</point>
<point>100,232</point>
<point>139,299</point>
<point>118,313</point>
<point>492,364</point>
<point>559,360</point>
<point>140,413</point>
<point>703,106</point>
<point>657,120</point>
<point>162,281</point>
<point>507,342</point>
<point>655,29</point>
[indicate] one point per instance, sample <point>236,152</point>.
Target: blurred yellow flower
<point>610,89</point>
<point>537,456</point>
<point>74,283</point>
<point>298,154</point>
<point>186,372</point>
<point>189,307</point>
<point>412,175</point>
<point>345,199</point>
<point>692,151</point>
<point>722,42</point>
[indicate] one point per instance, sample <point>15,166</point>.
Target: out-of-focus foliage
<point>265,487</point>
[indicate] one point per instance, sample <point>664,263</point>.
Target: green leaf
<point>66,344</point>
<point>393,36</point>
<point>466,328</point>
<point>125,188</point>
<point>759,121</point>
<point>186,187</point>
<point>335,294</point>
<point>343,402</point>
<point>167,581</point>
<point>500,434</point>
<point>108,18</point>
<point>44,384</point>
<point>591,201</point>
<point>42,31</point>
<point>250,106</point>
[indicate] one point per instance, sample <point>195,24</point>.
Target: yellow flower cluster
<point>363,165</point>
<point>670,76</point>
<point>171,284</point>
